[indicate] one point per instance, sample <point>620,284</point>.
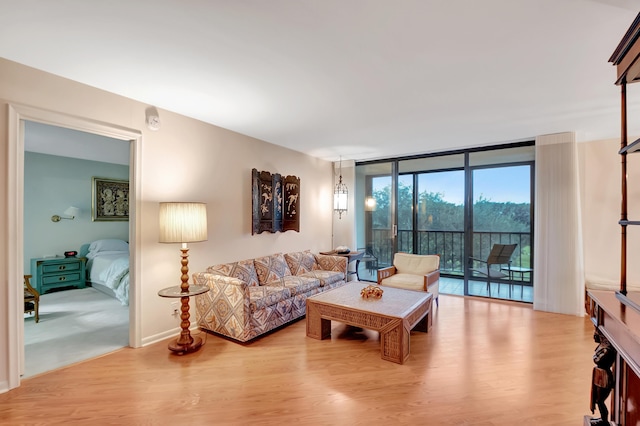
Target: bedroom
<point>54,181</point>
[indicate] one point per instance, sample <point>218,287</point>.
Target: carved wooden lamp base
<point>180,348</point>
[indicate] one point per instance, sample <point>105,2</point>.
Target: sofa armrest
<point>332,263</point>
<point>225,308</point>
<point>385,273</point>
<point>431,278</point>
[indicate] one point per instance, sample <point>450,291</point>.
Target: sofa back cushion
<point>331,263</point>
<point>419,264</point>
<point>271,268</point>
<point>243,270</point>
<point>300,262</point>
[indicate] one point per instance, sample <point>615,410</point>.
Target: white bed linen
<point>111,269</point>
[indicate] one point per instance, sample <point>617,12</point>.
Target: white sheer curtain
<point>558,264</point>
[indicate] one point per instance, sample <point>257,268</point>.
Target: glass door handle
<point>394,229</point>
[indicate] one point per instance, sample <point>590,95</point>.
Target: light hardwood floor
<point>483,363</point>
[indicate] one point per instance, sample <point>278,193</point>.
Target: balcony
<point>450,246</point>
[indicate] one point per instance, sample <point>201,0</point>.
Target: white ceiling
<point>53,140</point>
<point>360,79</point>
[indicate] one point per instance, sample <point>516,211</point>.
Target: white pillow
<point>107,254</point>
<point>108,245</point>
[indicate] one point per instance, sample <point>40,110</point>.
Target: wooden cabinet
<point>57,272</point>
<point>616,314</point>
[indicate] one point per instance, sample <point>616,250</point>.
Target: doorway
<point>18,115</point>
<point>83,320</point>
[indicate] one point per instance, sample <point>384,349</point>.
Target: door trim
<point>17,114</point>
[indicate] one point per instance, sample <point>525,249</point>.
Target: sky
<point>503,184</point>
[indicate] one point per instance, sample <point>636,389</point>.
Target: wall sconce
<point>370,204</point>
<point>71,211</point>
<point>340,196</point>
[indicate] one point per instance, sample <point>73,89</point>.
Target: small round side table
<point>185,343</point>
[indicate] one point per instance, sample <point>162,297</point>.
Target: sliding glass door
<point>440,218</point>
<point>502,214</point>
<point>431,209</point>
<point>458,206</point>
<point>375,217</point>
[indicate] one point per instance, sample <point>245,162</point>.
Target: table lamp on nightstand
<point>183,223</point>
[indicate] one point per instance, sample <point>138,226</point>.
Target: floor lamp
<point>183,223</point>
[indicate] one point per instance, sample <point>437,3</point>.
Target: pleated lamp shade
<point>183,222</point>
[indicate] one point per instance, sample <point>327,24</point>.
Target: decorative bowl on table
<point>371,292</point>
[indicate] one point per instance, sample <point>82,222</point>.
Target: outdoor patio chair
<point>370,259</point>
<point>494,267</point>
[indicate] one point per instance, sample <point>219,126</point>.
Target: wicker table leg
<point>394,342</point>
<point>317,327</point>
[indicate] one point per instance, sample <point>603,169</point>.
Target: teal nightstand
<point>57,272</point>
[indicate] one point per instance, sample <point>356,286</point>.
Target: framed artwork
<point>275,202</point>
<point>109,200</point>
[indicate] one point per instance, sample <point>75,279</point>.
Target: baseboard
<point>166,335</point>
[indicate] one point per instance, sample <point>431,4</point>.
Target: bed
<point>108,267</point>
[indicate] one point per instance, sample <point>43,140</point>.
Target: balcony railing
<point>450,246</point>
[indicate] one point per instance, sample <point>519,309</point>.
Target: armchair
<point>418,272</point>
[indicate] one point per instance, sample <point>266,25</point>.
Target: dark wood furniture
<point>617,314</point>
<point>621,326</point>
<point>31,298</point>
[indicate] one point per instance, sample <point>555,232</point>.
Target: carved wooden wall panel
<point>275,202</point>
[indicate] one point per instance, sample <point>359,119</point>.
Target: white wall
<point>344,227</point>
<point>53,183</point>
<point>186,160</point>
<point>601,200</point>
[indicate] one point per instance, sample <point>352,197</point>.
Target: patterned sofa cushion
<point>330,263</point>
<point>264,296</point>
<point>325,277</point>
<point>295,284</point>
<point>243,270</point>
<point>271,268</point>
<point>300,262</point>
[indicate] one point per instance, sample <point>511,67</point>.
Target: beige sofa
<point>251,297</point>
<point>412,272</point>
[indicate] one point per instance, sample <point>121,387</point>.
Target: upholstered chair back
<point>419,264</point>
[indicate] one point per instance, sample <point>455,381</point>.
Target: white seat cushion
<point>406,281</point>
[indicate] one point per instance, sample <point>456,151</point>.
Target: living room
<point>188,159</point>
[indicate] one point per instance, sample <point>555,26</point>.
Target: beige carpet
<point>75,325</point>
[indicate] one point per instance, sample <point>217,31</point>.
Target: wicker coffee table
<point>393,316</point>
